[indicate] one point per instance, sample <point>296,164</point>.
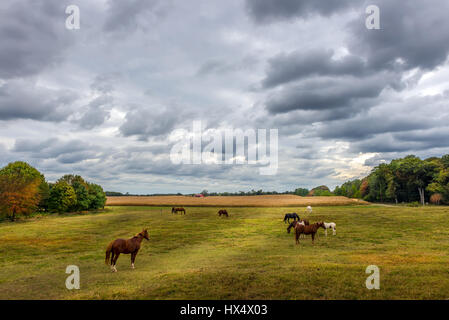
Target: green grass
<point>247,256</point>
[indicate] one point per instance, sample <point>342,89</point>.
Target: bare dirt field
<point>232,201</point>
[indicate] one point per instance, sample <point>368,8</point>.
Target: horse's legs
<point>334,231</point>
<point>115,261</point>
<point>112,260</point>
<point>313,238</point>
<point>133,258</point>
<point>325,232</point>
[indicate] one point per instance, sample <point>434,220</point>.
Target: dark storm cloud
<point>414,31</point>
<point>297,65</point>
<point>366,126</point>
<point>265,11</point>
<point>25,100</point>
<point>435,137</point>
<point>411,120</point>
<point>326,94</point>
<point>386,143</point>
<point>33,36</point>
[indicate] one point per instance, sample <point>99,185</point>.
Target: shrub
<point>436,198</point>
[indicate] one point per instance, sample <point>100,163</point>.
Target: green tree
<point>97,197</point>
<point>81,188</point>
<point>301,192</point>
<point>62,197</point>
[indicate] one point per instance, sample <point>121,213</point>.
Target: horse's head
<point>145,234</point>
<point>320,224</point>
<point>292,225</point>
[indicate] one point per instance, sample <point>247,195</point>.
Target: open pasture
<point>246,256</point>
<point>285,200</point>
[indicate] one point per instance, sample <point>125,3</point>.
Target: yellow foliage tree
<point>18,196</point>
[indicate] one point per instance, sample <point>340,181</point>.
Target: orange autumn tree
<point>20,189</point>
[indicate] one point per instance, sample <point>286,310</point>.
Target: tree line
<point>407,179</point>
<point>24,190</point>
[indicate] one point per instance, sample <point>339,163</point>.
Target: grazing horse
<point>289,216</point>
<point>330,225</point>
<point>309,209</point>
<point>304,222</point>
<point>293,225</point>
<point>125,246</point>
<point>175,210</point>
<point>223,212</point>
<point>310,229</point>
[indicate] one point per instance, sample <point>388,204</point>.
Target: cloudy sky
<point>103,101</point>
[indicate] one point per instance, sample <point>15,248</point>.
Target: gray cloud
<point>63,151</point>
<point>296,65</point>
<point>130,15</point>
<point>33,36</point>
<point>97,112</point>
<point>324,94</point>
<point>413,31</point>
<point>26,100</point>
<point>327,83</point>
<point>149,122</point>
<point>265,11</point>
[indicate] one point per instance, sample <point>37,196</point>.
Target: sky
<point>103,101</point>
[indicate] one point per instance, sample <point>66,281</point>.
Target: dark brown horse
<point>294,223</point>
<point>175,210</point>
<point>223,212</point>
<point>125,246</point>
<point>310,229</point>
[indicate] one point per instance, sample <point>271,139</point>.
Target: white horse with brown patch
<point>330,225</point>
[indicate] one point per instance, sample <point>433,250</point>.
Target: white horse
<point>309,209</point>
<point>330,225</point>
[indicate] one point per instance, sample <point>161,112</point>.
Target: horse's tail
<point>108,252</point>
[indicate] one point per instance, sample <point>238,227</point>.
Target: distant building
<point>199,195</point>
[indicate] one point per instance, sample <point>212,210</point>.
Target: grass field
<point>285,200</point>
<point>247,256</point>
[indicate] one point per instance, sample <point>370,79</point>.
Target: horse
<point>309,209</point>
<point>330,225</point>
<point>293,225</point>
<point>304,222</point>
<point>131,246</point>
<point>310,229</point>
<point>175,210</point>
<point>223,212</point>
<point>289,216</point>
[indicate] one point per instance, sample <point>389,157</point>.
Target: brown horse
<point>223,212</point>
<point>175,210</point>
<point>294,223</point>
<point>125,246</point>
<point>310,229</point>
